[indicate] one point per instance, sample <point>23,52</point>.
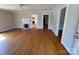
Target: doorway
<point>34,20</point>
<point>45,21</point>
<point>61,24</point>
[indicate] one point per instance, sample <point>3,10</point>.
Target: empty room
<point>39,29</point>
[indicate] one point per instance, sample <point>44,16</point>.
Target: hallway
<point>30,42</point>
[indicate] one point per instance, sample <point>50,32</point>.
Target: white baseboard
<point>39,27</point>
<point>6,29</point>
<point>69,51</point>
<point>54,31</point>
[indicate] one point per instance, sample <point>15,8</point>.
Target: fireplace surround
<point>26,25</point>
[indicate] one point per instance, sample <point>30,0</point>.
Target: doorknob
<point>76,36</point>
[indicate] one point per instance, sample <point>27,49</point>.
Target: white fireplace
<point>25,23</point>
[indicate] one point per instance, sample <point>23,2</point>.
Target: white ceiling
<point>28,7</point>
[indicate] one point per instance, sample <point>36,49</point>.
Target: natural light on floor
<point>2,38</point>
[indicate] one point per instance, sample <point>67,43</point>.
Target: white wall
<point>28,14</point>
<point>6,20</point>
<point>54,21</point>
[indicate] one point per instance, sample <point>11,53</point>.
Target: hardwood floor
<point>30,42</point>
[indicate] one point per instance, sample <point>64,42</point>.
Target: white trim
<point>59,14</point>
<point>48,19</point>
<point>39,28</point>
<point>68,49</point>
<point>34,11</point>
<point>31,21</point>
<point>6,29</point>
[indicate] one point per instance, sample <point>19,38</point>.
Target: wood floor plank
<point>30,42</point>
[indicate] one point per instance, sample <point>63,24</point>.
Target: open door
<point>75,50</point>
<point>70,24</point>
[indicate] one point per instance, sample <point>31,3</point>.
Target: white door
<point>70,24</point>
<point>75,50</point>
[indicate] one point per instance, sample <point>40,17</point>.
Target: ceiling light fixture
<point>21,7</point>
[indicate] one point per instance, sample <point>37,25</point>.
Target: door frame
<point>64,6</point>
<point>37,20</point>
<point>48,18</point>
